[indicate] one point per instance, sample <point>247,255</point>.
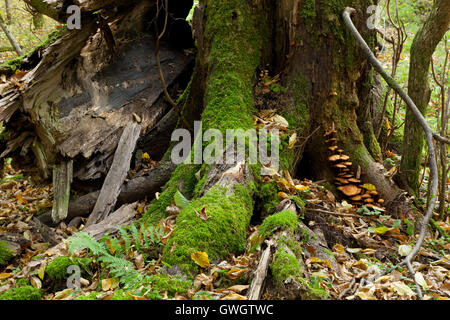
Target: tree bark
<point>422,49</point>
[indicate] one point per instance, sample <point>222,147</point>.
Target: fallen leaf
<point>365,296</point>
<point>200,258</point>
<point>239,288</point>
<point>137,297</point>
<point>36,283</point>
<point>292,141</point>
<point>402,289</point>
<point>421,280</point>
<point>233,296</point>
<point>109,284</point>
<point>404,250</point>
<point>62,294</point>
<point>4,276</point>
<point>41,271</point>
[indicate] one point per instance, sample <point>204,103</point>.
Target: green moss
<point>222,233</point>
<point>268,194</point>
<point>121,295</point>
<point>285,266</point>
<point>281,220</point>
<point>299,202</point>
<point>6,253</point>
<point>235,35</point>
<point>57,269</point>
<point>308,10</point>
<point>22,282</point>
<point>22,293</point>
<point>183,176</point>
<point>171,284</point>
<point>16,64</point>
<point>91,296</point>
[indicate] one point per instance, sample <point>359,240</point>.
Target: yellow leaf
<point>388,126</point>
<point>233,296</point>
<point>369,187</point>
<point>4,276</point>
<point>283,195</point>
<point>234,273</point>
<point>301,188</point>
<point>62,294</point>
<point>109,284</point>
<point>339,248</point>
<point>146,156</point>
<point>41,271</point>
<point>402,289</point>
<point>365,296</point>
<point>200,258</point>
<point>383,278</point>
<point>421,280</point>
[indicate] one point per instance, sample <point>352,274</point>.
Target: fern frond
<point>82,240</point>
<point>126,238</point>
<point>136,237</point>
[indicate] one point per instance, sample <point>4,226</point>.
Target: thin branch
<point>158,62</point>
<point>429,134</point>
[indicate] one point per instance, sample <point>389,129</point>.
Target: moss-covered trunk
<point>326,78</point>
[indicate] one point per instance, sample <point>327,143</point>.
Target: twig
<point>343,293</point>
<point>335,213</point>
<point>429,134</point>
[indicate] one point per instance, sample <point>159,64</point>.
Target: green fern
<point>136,237</point>
<point>126,238</point>
<point>83,240</point>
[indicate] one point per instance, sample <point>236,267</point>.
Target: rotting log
<point>116,175</point>
<point>120,218</point>
<point>76,102</point>
<point>133,190</point>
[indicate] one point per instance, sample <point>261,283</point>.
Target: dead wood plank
<point>122,217</point>
<point>131,191</point>
<point>116,175</point>
<point>62,179</point>
<point>256,287</point>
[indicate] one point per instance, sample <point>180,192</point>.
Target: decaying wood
<point>116,175</point>
<point>77,100</point>
<point>136,189</point>
<point>122,217</point>
<point>256,287</point>
<point>47,233</point>
<point>62,178</point>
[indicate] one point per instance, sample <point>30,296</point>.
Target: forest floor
<point>371,244</point>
